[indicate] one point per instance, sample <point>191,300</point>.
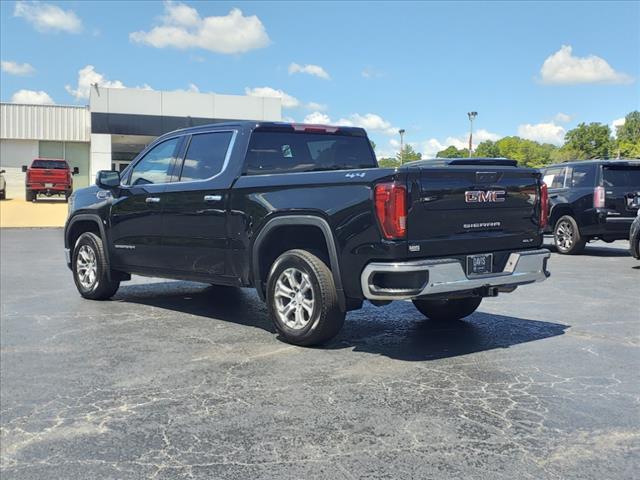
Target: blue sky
<point>529,68</point>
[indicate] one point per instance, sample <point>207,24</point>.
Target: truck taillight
<point>544,206</point>
<point>598,197</point>
<point>391,209</point>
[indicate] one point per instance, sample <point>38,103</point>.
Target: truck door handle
<point>152,199</point>
<point>212,198</point>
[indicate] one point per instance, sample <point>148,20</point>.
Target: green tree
<point>588,141</point>
<point>388,163</point>
<point>408,154</point>
<point>487,149</point>
<point>453,152</point>
<point>630,130</point>
<point>526,152</point>
<point>627,144</point>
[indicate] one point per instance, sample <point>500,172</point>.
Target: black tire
<point>29,195</point>
<point>325,319</point>
<point>3,195</point>
<point>447,309</point>
<point>102,287</point>
<point>566,236</point>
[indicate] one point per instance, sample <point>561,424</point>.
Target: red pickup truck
<point>49,176</point>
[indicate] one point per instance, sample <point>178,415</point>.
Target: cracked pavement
<point>174,380</point>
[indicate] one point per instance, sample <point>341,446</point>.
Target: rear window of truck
<point>282,152</point>
<point>621,177</point>
<point>51,164</point>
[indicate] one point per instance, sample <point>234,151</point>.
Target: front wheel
<point>447,309</point>
<point>566,236</point>
<point>91,269</point>
<point>302,299</point>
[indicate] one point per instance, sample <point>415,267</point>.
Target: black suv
<point>589,200</point>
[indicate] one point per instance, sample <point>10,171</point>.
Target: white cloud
<point>316,106</point>
<point>192,88</point>
<point>543,132</point>
<point>317,118</point>
<point>562,117</point>
<point>32,96</point>
<point>314,70</point>
<point>46,17</point>
<point>369,121</point>
<point>288,101</point>
<point>14,68</point>
<point>432,146</point>
<point>562,68</point>
<point>618,122</point>
<point>182,27</point>
<point>370,72</point>
<point>88,76</point>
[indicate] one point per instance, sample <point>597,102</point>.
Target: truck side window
<point>282,152</point>
<point>205,156</point>
<point>154,166</point>
<point>583,176</point>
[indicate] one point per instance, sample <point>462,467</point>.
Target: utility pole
<point>401,132</point>
<point>472,116</point>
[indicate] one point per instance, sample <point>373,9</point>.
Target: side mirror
<point>76,171</point>
<point>24,168</point>
<point>108,179</point>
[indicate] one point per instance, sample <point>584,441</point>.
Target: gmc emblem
<point>482,196</point>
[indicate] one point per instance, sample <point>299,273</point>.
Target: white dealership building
<point>115,126</point>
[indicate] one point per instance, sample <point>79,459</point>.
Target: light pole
<point>472,116</point>
<point>401,132</point>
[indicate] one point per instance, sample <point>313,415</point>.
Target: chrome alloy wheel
<point>564,235</point>
<point>86,267</point>
<point>294,298</point>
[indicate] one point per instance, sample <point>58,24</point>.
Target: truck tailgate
<point>48,175</point>
<point>472,209</point>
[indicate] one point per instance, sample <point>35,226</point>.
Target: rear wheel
<point>302,299</point>
<point>91,269</point>
<point>447,309</point>
<point>566,236</point>
<point>29,195</point>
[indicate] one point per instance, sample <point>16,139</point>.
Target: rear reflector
<point>598,197</point>
<point>544,206</point>
<point>391,209</point>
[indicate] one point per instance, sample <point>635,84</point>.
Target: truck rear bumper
<point>405,280</point>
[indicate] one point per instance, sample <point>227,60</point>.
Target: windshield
<point>280,152</point>
<point>622,177</point>
<point>55,164</point>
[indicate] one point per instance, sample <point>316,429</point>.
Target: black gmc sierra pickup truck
<point>303,214</point>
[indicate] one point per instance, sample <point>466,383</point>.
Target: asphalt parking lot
<point>180,380</point>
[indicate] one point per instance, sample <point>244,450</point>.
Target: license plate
<point>48,185</point>
<point>480,264</point>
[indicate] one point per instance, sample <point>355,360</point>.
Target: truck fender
<point>292,220</point>
<point>103,234</point>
